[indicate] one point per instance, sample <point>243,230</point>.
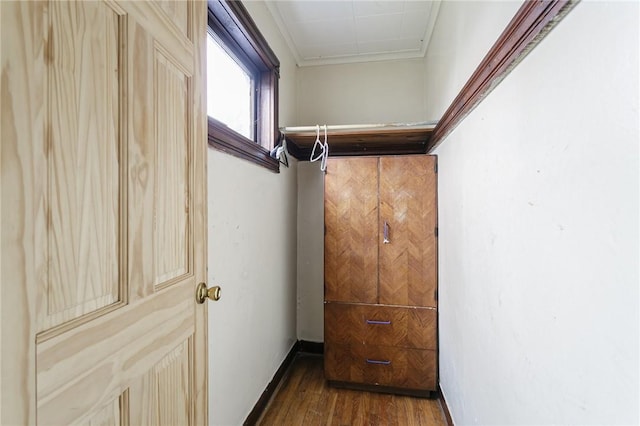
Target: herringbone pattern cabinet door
<point>408,261</point>
<point>380,315</point>
<point>351,230</point>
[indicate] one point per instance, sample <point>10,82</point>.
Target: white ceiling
<point>345,31</point>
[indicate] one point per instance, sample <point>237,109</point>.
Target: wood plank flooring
<point>304,398</point>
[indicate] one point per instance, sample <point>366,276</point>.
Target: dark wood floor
<point>304,398</point>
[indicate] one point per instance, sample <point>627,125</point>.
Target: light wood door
<point>408,260</point>
<point>351,230</point>
<point>103,213</point>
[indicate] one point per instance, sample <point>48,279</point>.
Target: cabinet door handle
<point>378,322</point>
<point>378,362</point>
<point>385,231</point>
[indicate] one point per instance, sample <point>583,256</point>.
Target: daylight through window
<point>242,85</point>
<point>229,90</point>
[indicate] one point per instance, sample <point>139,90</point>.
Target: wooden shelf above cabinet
<point>362,142</point>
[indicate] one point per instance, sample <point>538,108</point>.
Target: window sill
<point>226,140</point>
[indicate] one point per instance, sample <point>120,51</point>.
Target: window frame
<point>233,27</point>
<point>248,68</point>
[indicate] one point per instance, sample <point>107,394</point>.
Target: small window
<point>230,97</point>
<point>242,85</point>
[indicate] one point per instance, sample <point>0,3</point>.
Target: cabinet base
<point>420,393</point>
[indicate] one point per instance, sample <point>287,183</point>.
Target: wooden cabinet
<point>380,312</point>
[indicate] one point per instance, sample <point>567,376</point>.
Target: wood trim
<point>239,26</point>
<point>304,399</point>
<point>444,407</point>
<point>529,26</point>
<point>226,140</point>
<point>364,149</point>
<point>223,28</point>
<point>233,26</point>
<point>270,390</point>
<point>268,100</point>
<point>361,142</point>
<point>200,342</point>
<point>296,151</point>
<point>301,346</point>
<point>315,348</point>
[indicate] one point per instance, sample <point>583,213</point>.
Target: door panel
<point>162,395</point>
<point>172,174</point>
<point>109,415</point>
<point>103,213</point>
<point>351,217</point>
<point>178,11</point>
<point>82,196</point>
<point>160,158</point>
<point>86,367</point>
<point>408,274</point>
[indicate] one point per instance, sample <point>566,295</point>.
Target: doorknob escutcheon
<point>202,293</point>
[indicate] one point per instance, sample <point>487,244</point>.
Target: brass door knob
<point>202,293</point>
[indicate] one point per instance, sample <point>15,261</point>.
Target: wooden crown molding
<point>529,26</point>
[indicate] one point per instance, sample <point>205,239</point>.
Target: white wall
<point>252,255</point>
<point>538,208</point>
<point>362,93</point>
<point>463,34</point>
<point>310,252</point>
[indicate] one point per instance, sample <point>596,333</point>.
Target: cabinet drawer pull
<point>378,322</point>
<point>385,237</point>
<point>378,362</point>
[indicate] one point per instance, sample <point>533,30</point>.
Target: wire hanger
<point>317,145</point>
<point>323,163</point>
<point>280,152</point>
<point>323,148</point>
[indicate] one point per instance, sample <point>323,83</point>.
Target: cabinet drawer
<point>380,325</point>
<point>381,365</point>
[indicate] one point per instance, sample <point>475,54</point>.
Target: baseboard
<point>316,348</point>
<point>444,407</point>
<point>303,346</point>
<point>264,399</point>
